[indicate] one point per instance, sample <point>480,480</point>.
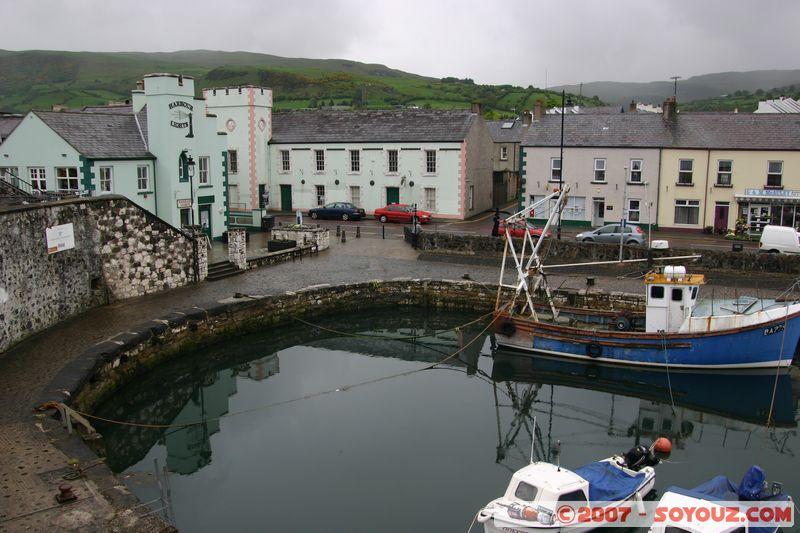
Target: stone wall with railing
<point>568,251</point>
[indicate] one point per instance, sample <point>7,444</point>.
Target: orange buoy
<point>662,445</point>
<point>529,513</point>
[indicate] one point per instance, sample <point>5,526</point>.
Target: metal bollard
<point>344,237</point>
<point>383,231</point>
<point>358,232</point>
<point>338,230</point>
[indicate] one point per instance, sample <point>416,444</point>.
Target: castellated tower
<point>245,114</point>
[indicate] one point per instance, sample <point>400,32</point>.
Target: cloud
<point>524,42</point>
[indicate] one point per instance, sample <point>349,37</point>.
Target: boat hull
<point>766,345</point>
<point>498,525</point>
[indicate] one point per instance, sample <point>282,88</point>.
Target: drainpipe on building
<point>705,191</point>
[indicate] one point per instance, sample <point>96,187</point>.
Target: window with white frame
<point>634,210</point>
<point>430,161</point>
<point>320,194</point>
<point>430,199</point>
<point>686,167</point>
<point>143,177</point>
<point>724,172</point>
<point>202,166</point>
<point>774,173</point>
<point>38,178</point>
<point>636,171</point>
<point>286,162</point>
<point>504,153</point>
<point>10,175</point>
<point>355,195</point>
<point>687,211</point>
<point>555,169</point>
<point>599,170</point>
<point>233,162</point>
<point>574,208</point>
<point>106,180</point>
<point>355,161</point>
<point>392,161</point>
<point>319,160</point>
<point>67,178</point>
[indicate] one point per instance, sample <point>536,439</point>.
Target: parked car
<point>610,234</point>
<point>338,210</point>
<point>401,213</point>
<point>779,239</point>
<point>517,229</point>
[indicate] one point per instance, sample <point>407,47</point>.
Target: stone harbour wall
<point>120,251</point>
<point>111,364</point>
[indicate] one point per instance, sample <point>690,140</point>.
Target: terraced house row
<point>225,159</point>
<point>689,171</point>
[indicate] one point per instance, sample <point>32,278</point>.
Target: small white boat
<point>539,492</point>
<point>720,497</point>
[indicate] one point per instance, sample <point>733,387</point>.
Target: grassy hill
<point>39,79</point>
<point>705,87</point>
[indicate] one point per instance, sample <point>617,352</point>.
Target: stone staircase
<point>221,270</point>
<point>16,191</point>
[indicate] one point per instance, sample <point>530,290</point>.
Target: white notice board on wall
<point>60,238</point>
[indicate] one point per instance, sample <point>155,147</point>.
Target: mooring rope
<point>386,337</point>
<point>292,400</point>
<point>666,362</point>
<point>778,368</point>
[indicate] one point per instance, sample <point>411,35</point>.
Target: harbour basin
<point>410,421</point>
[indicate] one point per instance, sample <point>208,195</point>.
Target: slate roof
<point>98,135</point>
<point>407,125</point>
<point>507,135</point>
<point>734,131</point>
<point>111,109</point>
<point>7,124</point>
<point>615,130</point>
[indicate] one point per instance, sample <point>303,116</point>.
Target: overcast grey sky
<point>522,42</point>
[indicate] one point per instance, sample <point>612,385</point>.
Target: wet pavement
<point>36,451</point>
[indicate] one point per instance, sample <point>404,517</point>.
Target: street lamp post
<point>561,164</point>
<point>190,173</point>
<point>622,212</point>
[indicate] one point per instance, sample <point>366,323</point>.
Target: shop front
<point>778,207</point>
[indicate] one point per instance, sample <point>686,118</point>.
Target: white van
<point>779,239</point>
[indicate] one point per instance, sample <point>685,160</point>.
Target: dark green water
<point>283,450</point>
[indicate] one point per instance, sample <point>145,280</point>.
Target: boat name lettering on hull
<point>773,329</point>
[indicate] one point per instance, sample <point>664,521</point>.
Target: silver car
<point>610,234</point>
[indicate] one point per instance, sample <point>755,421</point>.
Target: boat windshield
<point>526,492</point>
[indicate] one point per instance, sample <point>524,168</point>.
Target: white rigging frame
<point>529,269</point>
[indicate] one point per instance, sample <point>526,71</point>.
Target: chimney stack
<point>670,108</point>
<point>140,85</point>
<point>632,107</point>
<point>527,117</point>
<point>538,110</point>
<point>477,108</point>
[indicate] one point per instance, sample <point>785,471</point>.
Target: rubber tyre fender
<point>594,350</point>
<point>507,328</point>
<point>622,323</point>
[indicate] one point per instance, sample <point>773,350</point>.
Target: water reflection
<point>191,395</point>
<point>281,405</point>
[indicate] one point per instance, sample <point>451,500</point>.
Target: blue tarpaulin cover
<point>722,489</point>
<point>607,483</point>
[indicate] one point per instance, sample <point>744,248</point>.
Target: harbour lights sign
<point>182,114</point>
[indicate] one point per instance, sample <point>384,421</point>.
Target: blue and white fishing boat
<point>668,327</point>
<point>713,495</point>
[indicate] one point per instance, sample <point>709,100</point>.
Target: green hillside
<point>39,79</point>
<point>706,87</point>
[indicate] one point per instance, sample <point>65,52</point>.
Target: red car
<point>517,229</point>
<point>401,213</point>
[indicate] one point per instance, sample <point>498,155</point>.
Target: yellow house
<point>720,167</point>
